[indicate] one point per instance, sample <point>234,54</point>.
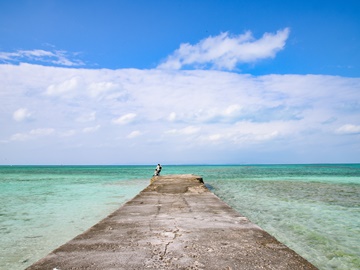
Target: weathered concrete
<point>175,223</point>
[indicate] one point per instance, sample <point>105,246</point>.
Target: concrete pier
<point>174,223</point>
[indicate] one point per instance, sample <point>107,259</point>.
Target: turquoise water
<point>314,209</point>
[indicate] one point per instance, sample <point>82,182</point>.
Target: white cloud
<point>57,57</point>
<point>133,134</point>
<point>189,130</point>
<point>86,117</point>
<point>248,133</point>
<point>179,110</point>
<point>226,52</point>
<point>67,86</point>
<point>232,109</point>
<point>20,137</point>
<point>97,89</point>
<point>34,133</point>
<point>68,133</point>
<point>21,114</point>
<point>256,137</point>
<point>125,119</point>
<point>215,137</point>
<point>349,129</point>
<point>91,129</point>
<point>25,54</point>
<point>172,117</point>
<point>42,131</point>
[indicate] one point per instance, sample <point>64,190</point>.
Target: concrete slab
<point>174,223</point>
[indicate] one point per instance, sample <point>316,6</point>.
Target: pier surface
<point>174,223</point>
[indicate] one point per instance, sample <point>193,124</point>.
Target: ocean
<point>314,209</point>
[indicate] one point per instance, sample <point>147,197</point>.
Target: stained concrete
<point>174,223</point>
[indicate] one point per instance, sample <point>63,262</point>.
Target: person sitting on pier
<point>158,170</point>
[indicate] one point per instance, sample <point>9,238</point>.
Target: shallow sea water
<point>313,209</point>
<point>41,208</point>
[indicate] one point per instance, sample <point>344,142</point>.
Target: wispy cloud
<point>133,134</point>
<point>189,130</point>
<point>91,129</point>
<point>68,133</point>
<point>226,51</point>
<point>56,57</point>
<point>349,129</point>
<point>125,119</point>
<point>86,117</point>
<point>22,114</point>
<point>32,134</point>
<point>100,89</point>
<point>68,86</point>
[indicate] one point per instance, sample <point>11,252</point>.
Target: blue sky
<point>179,82</point>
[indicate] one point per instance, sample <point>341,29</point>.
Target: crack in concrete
<point>165,250</point>
<point>186,203</point>
<point>175,232</point>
